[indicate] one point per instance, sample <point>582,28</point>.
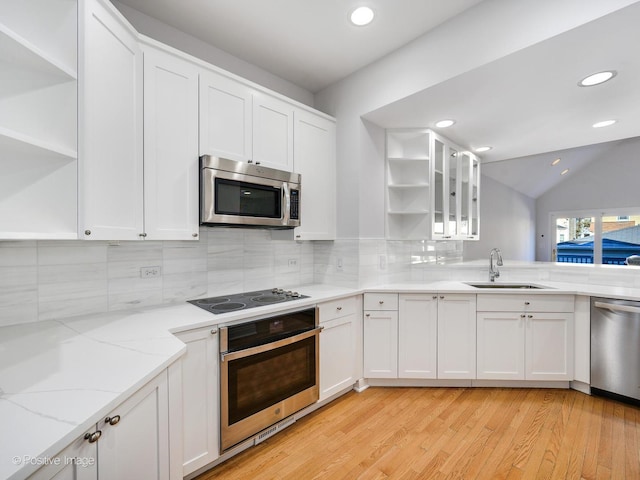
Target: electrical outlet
<point>293,262</point>
<point>339,265</point>
<point>149,272</point>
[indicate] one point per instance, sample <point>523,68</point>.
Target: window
<point>606,238</point>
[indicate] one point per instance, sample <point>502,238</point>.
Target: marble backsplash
<point>43,280</point>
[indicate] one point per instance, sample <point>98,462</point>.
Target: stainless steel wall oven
<point>268,371</point>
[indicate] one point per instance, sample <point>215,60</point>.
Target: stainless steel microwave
<point>246,194</point>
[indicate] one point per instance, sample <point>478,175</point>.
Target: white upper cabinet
<point>315,160</point>
<point>225,117</point>
<point>111,164</point>
<point>433,188</point>
<point>272,132</point>
<point>170,146</point>
<point>456,177</point>
<point>244,124</point>
<point>38,119</point>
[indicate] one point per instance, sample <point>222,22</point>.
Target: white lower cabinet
<point>456,336</point>
<point>200,398</point>
<point>424,336</point>
<point>380,344</point>
<point>79,461</point>
<point>526,344</point>
<point>417,336</point>
<point>129,443</point>
<point>338,345</point>
<point>380,335</point>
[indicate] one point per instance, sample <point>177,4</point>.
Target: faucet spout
<point>495,260</point>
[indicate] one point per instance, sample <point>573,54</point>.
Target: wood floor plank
<point>450,434</point>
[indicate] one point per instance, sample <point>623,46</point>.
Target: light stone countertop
<point>58,378</point>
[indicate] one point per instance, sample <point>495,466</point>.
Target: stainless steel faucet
<point>493,265</point>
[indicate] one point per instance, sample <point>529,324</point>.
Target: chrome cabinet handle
<point>93,437</point>
<point>113,420</point>
<point>381,302</point>
<point>194,235</point>
<point>214,331</point>
<point>87,232</point>
<point>338,308</point>
<point>527,303</point>
<point>367,315</point>
<point>522,315</point>
<point>441,297</point>
<point>435,297</point>
<point>142,235</point>
<point>529,316</point>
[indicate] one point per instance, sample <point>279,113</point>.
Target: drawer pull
<point>93,437</point>
<point>527,303</point>
<point>381,302</point>
<point>338,308</point>
<point>113,420</point>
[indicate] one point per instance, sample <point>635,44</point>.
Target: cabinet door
<point>135,443</point>
<point>170,147</point>
<point>79,461</point>
<point>225,117</point>
<point>468,181</point>
<point>272,132</point>
<point>110,126</point>
<point>417,335</point>
<point>380,344</point>
<point>549,346</point>
<point>582,340</point>
<point>500,345</point>
<point>337,355</point>
<point>456,336</point>
<point>200,399</point>
<point>315,159</point>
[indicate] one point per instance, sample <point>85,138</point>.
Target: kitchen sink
<point>506,285</point>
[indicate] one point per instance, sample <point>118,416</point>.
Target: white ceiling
<point>311,43</point>
<point>526,105</point>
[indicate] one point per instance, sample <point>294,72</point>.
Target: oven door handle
<point>269,346</point>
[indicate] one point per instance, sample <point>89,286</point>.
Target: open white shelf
<point>26,146</point>
<point>38,119</point>
<point>17,50</point>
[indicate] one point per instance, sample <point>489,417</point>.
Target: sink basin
<point>506,285</point>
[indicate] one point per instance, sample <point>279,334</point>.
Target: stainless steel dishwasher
<point>615,349</point>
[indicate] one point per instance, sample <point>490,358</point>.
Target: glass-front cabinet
<point>432,188</point>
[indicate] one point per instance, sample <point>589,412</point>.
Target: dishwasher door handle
<point>617,308</point>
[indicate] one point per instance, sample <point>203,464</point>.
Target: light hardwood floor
<point>451,433</point>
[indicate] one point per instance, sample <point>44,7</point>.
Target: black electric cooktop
<point>243,301</point>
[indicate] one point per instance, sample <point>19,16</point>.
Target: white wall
<point>609,182</point>
<point>209,53</point>
<point>507,221</point>
<point>484,33</point>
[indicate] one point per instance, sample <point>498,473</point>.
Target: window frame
<point>597,214</point>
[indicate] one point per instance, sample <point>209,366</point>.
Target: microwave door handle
<point>286,200</point>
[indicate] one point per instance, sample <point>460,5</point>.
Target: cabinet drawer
<point>381,301</point>
<point>337,308</point>
<point>518,303</point>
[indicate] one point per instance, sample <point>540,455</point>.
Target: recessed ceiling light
<point>362,16</point>
<point>483,149</point>
<point>564,172</point>
<point>445,123</point>
<point>555,162</point>
<point>604,123</point>
<point>597,78</point>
